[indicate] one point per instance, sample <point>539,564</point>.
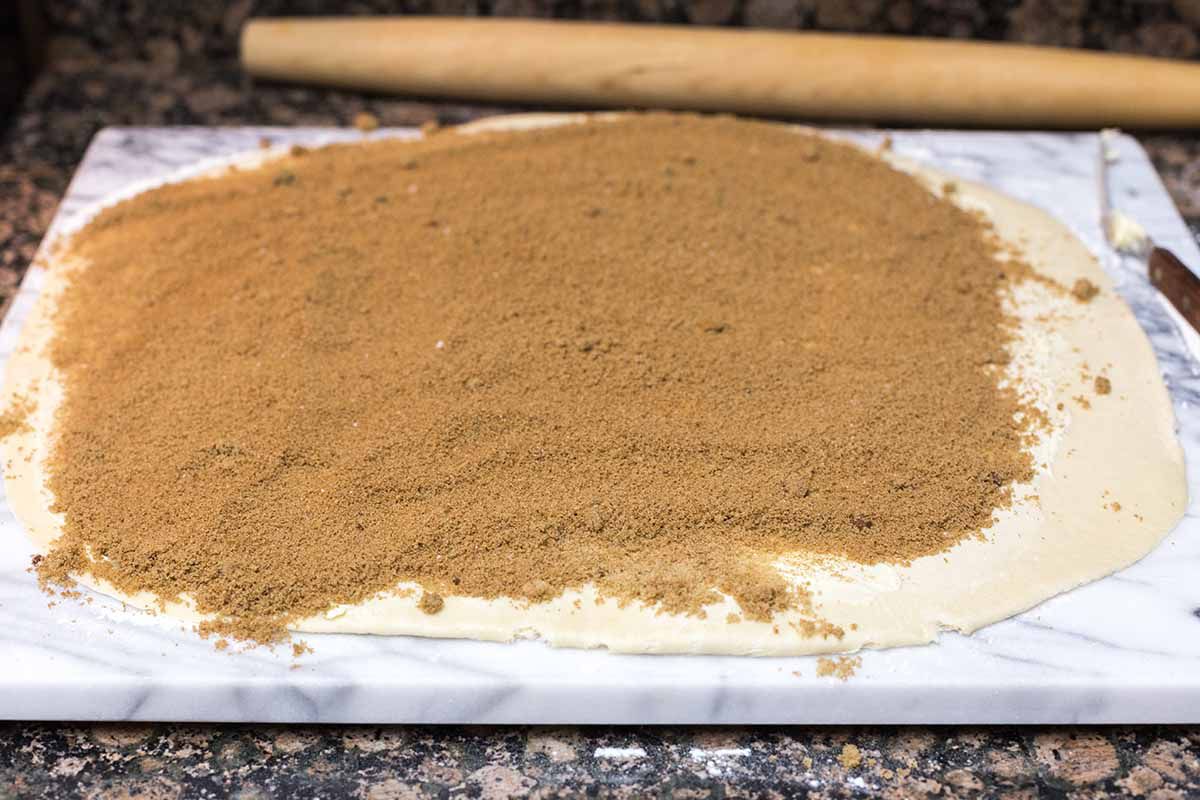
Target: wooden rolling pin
<point>787,74</point>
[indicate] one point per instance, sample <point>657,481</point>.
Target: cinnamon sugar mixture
<point>650,354</point>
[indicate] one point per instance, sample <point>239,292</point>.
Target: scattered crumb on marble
<point>299,648</point>
<point>840,667</point>
<point>850,756</point>
<point>366,122</point>
<point>1103,385</point>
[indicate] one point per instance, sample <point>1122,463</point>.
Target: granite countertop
<point>86,88</point>
<point>168,761</point>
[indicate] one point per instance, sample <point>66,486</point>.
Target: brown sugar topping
<point>1084,290</point>
<point>431,603</point>
<point>650,355</point>
<point>15,418</point>
<point>840,667</point>
<point>366,121</point>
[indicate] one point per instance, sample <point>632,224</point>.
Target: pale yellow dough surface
<point>1061,533</point>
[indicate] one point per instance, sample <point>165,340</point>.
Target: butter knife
<point>1168,274</point>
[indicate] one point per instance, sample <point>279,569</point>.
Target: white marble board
<point>1123,649</point>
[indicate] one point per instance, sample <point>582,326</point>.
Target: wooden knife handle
<point>812,75</point>
<point>1177,283</point>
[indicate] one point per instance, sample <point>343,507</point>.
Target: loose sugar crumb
<point>15,418</point>
<point>366,121</point>
<point>1084,290</point>
<point>840,667</point>
<point>431,603</point>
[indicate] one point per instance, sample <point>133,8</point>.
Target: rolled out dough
<point>1062,531</point>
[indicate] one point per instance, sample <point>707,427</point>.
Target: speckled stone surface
<point>148,761</point>
<point>142,62</point>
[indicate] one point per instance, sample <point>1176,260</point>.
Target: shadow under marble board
<point>1122,649</point>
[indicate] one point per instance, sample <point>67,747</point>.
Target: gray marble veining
<point>1123,649</point>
